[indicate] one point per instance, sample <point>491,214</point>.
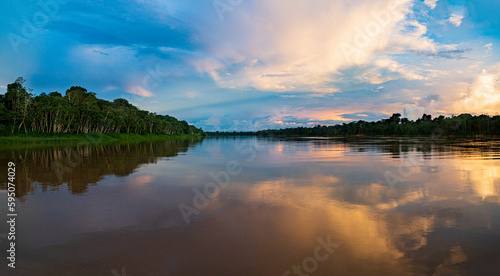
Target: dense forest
<point>79,111</point>
<point>463,125</point>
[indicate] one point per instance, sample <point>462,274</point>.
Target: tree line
<point>459,126</point>
<point>79,111</point>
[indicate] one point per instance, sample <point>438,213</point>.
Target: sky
<point>227,65</point>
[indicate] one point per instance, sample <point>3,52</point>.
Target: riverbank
<point>90,138</point>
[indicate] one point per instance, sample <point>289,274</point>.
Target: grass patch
<point>90,138</point>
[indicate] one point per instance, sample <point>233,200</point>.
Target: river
<point>254,206</point>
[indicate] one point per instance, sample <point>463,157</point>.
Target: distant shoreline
<point>355,137</point>
<point>462,126</point>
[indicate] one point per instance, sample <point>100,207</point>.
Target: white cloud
<point>140,91</point>
<point>401,70</point>
<point>413,112</point>
<point>431,3</point>
<point>456,19</point>
<point>483,96</point>
<point>488,47</point>
<point>282,46</point>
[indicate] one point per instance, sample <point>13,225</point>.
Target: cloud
<point>279,46</point>
<point>427,105</point>
<point>429,100</point>
<point>99,52</point>
<point>335,60</point>
<point>456,19</point>
<point>381,69</point>
<point>413,112</point>
<point>483,96</point>
<point>431,3</point>
<point>448,54</point>
<point>140,91</point>
<point>365,116</point>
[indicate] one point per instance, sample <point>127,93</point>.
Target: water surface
<point>390,207</point>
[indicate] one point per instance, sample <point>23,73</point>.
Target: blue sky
<point>248,65</point>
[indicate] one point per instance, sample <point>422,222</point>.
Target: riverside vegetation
<point>52,116</point>
<point>464,125</point>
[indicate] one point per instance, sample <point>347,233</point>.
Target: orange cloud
<point>483,96</point>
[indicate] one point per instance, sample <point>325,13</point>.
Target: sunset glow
<point>235,66</point>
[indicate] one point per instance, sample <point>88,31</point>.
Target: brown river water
<point>254,206</point>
